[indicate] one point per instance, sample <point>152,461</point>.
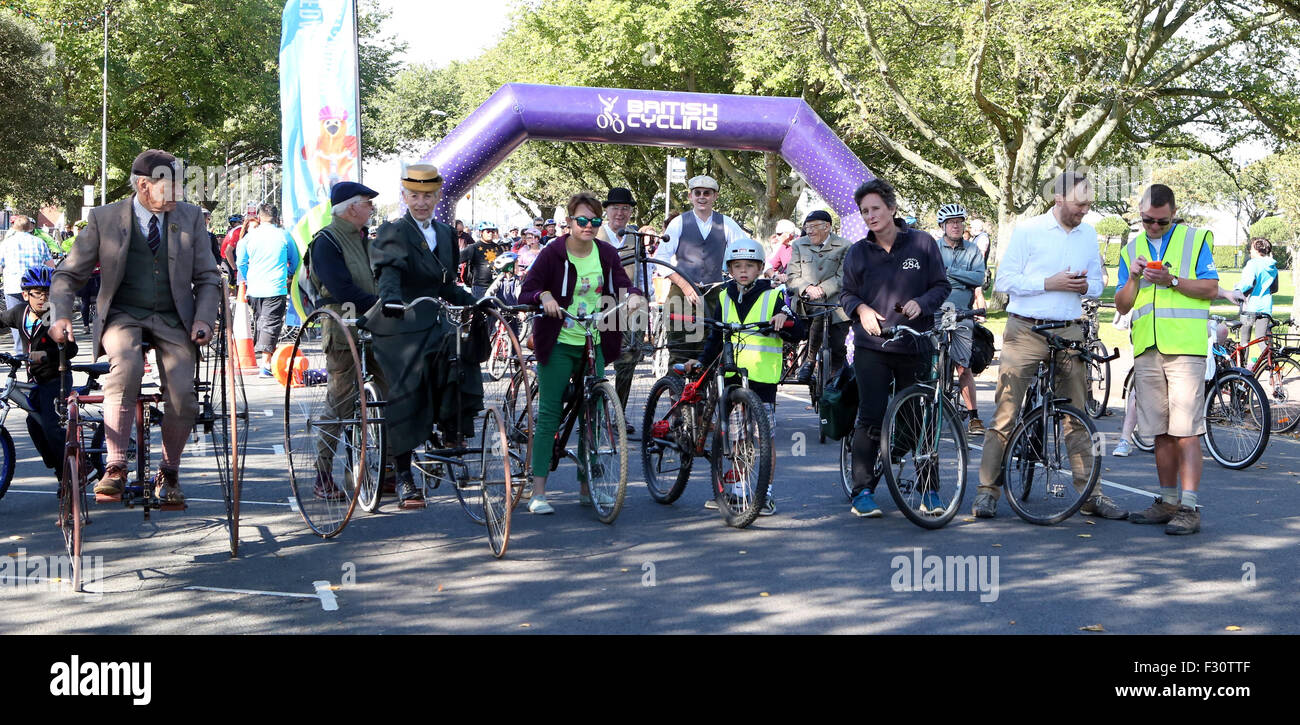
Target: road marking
<point>788,396</point>
<point>203,500</point>
<point>279,449</point>
<point>268,413</point>
<point>328,601</point>
<point>293,504</point>
<point>1102,481</point>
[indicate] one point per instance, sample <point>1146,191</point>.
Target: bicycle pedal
<point>412,504</point>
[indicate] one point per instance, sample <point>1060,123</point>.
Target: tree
<point>1111,227</point>
<point>30,120</point>
<point>993,98</point>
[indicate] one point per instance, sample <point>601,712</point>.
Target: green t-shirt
<point>586,297</point>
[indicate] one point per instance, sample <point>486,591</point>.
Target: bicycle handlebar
<point>729,326</point>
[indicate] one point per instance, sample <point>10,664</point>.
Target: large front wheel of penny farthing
<point>229,420</point>
<point>495,480</point>
<point>325,433</point>
<point>73,506</point>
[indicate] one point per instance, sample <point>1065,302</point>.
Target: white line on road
<point>293,504</point>
<point>327,600</point>
<point>279,449</point>
<point>1102,481</point>
<point>269,413</point>
<point>788,396</point>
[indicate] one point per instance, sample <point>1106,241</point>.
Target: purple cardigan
<point>553,272</point>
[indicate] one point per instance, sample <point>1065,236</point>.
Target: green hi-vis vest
<point>759,355</point>
<point>1163,317</point>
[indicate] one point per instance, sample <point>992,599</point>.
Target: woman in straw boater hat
<point>417,256</point>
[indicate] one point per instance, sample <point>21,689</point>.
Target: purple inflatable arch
<point>518,112</point>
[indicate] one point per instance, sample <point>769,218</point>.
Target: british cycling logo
<point>667,115</point>
<point>98,679</point>
<point>911,263</point>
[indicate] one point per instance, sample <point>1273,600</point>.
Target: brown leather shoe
<point>326,489</point>
<point>166,489</point>
<point>1158,512</point>
<point>1186,520</point>
<point>113,482</point>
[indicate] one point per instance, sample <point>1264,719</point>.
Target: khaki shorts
<point>1170,393</point>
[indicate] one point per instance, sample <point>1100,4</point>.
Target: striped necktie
<point>155,237</point>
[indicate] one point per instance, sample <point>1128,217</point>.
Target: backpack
<point>309,294</point>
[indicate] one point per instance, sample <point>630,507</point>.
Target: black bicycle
<point>1098,366</point>
<point>1052,461</point>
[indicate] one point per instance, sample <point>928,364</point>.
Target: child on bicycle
<point>31,322</point>
<point>747,298</point>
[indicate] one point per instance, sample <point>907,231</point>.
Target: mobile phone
<point>1081,275</point>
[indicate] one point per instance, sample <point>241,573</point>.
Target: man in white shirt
<point>21,250</point>
<point>695,245</point>
<point>1050,264</point>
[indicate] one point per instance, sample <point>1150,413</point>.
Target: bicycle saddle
<point>94,370</point>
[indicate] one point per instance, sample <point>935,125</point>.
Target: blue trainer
<point>864,505</point>
<point>932,504</point>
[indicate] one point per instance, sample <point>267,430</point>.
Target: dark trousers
<point>878,374</point>
<point>43,425</point>
<point>87,295</point>
<point>839,332</point>
<point>268,321</point>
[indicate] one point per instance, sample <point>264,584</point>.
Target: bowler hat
<point>619,195</point>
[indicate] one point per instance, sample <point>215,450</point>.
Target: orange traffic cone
<point>288,371</point>
<point>243,327</point>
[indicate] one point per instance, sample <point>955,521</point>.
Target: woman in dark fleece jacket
<point>893,276</point>
<point>575,273</point>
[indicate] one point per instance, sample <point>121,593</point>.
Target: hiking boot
<point>986,506</point>
<point>113,482</point>
<point>1158,512</point>
<point>1101,505</point>
<point>166,488</point>
<point>406,488</point>
<point>804,375</point>
<point>1186,520</point>
<point>325,489</point>
<point>975,427</point>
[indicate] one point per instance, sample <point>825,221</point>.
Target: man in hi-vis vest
<point>1169,290</point>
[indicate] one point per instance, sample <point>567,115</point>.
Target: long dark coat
<point>414,350</point>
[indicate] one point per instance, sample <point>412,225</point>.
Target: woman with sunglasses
<point>577,273</point>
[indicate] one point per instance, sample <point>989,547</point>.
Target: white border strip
<point>324,594</point>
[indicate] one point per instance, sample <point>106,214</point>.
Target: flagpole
<point>356,66</point>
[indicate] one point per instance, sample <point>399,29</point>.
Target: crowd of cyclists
<point>806,283</point>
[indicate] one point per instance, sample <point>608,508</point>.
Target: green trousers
<point>564,365</point>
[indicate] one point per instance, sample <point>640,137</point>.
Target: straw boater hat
<point>422,177</point>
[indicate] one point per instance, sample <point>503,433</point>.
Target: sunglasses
<point>1157,222</point>
<point>583,221</point>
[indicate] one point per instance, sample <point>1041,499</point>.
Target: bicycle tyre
<point>230,430</point>
<point>495,486</point>
<point>905,432</point>
<point>7,460</point>
<point>517,413</point>
<point>1282,383</point>
<point>605,461</point>
<point>1024,455</point>
<point>1228,408</point>
<point>370,488</point>
<point>662,356</point>
<point>823,365</point>
<point>73,506</point>
<point>315,429</point>
<point>498,361</point>
<point>751,455</point>
<point>1139,441</point>
<point>665,484</point>
<point>1098,390</point>
<point>846,465</point>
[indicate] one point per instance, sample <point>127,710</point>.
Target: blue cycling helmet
<point>37,275</point>
<point>486,225</point>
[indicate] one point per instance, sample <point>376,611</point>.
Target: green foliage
<point>1112,226</point>
<point>31,119</point>
<point>1228,256</point>
<point>1275,229</point>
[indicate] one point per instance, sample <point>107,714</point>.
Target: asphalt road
<point>812,568</point>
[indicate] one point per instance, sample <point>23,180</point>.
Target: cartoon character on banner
<point>334,157</point>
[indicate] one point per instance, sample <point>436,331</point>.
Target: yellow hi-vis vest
<point>759,355</point>
<point>1163,317</point>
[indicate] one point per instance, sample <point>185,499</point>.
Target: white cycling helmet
<point>505,261</point>
<point>743,248</point>
<point>951,211</point>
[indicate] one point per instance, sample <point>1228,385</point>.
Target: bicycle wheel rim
<point>1282,384</point>
<point>926,472</point>
<point>324,439</point>
<point>495,490</point>
<point>369,488</point>
<point>1039,474</point>
<point>229,436</point>
<point>662,459</point>
<point>743,473</point>
<point>606,443</point>
<point>1237,421</point>
<point>517,414</point>
<point>846,465</point>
